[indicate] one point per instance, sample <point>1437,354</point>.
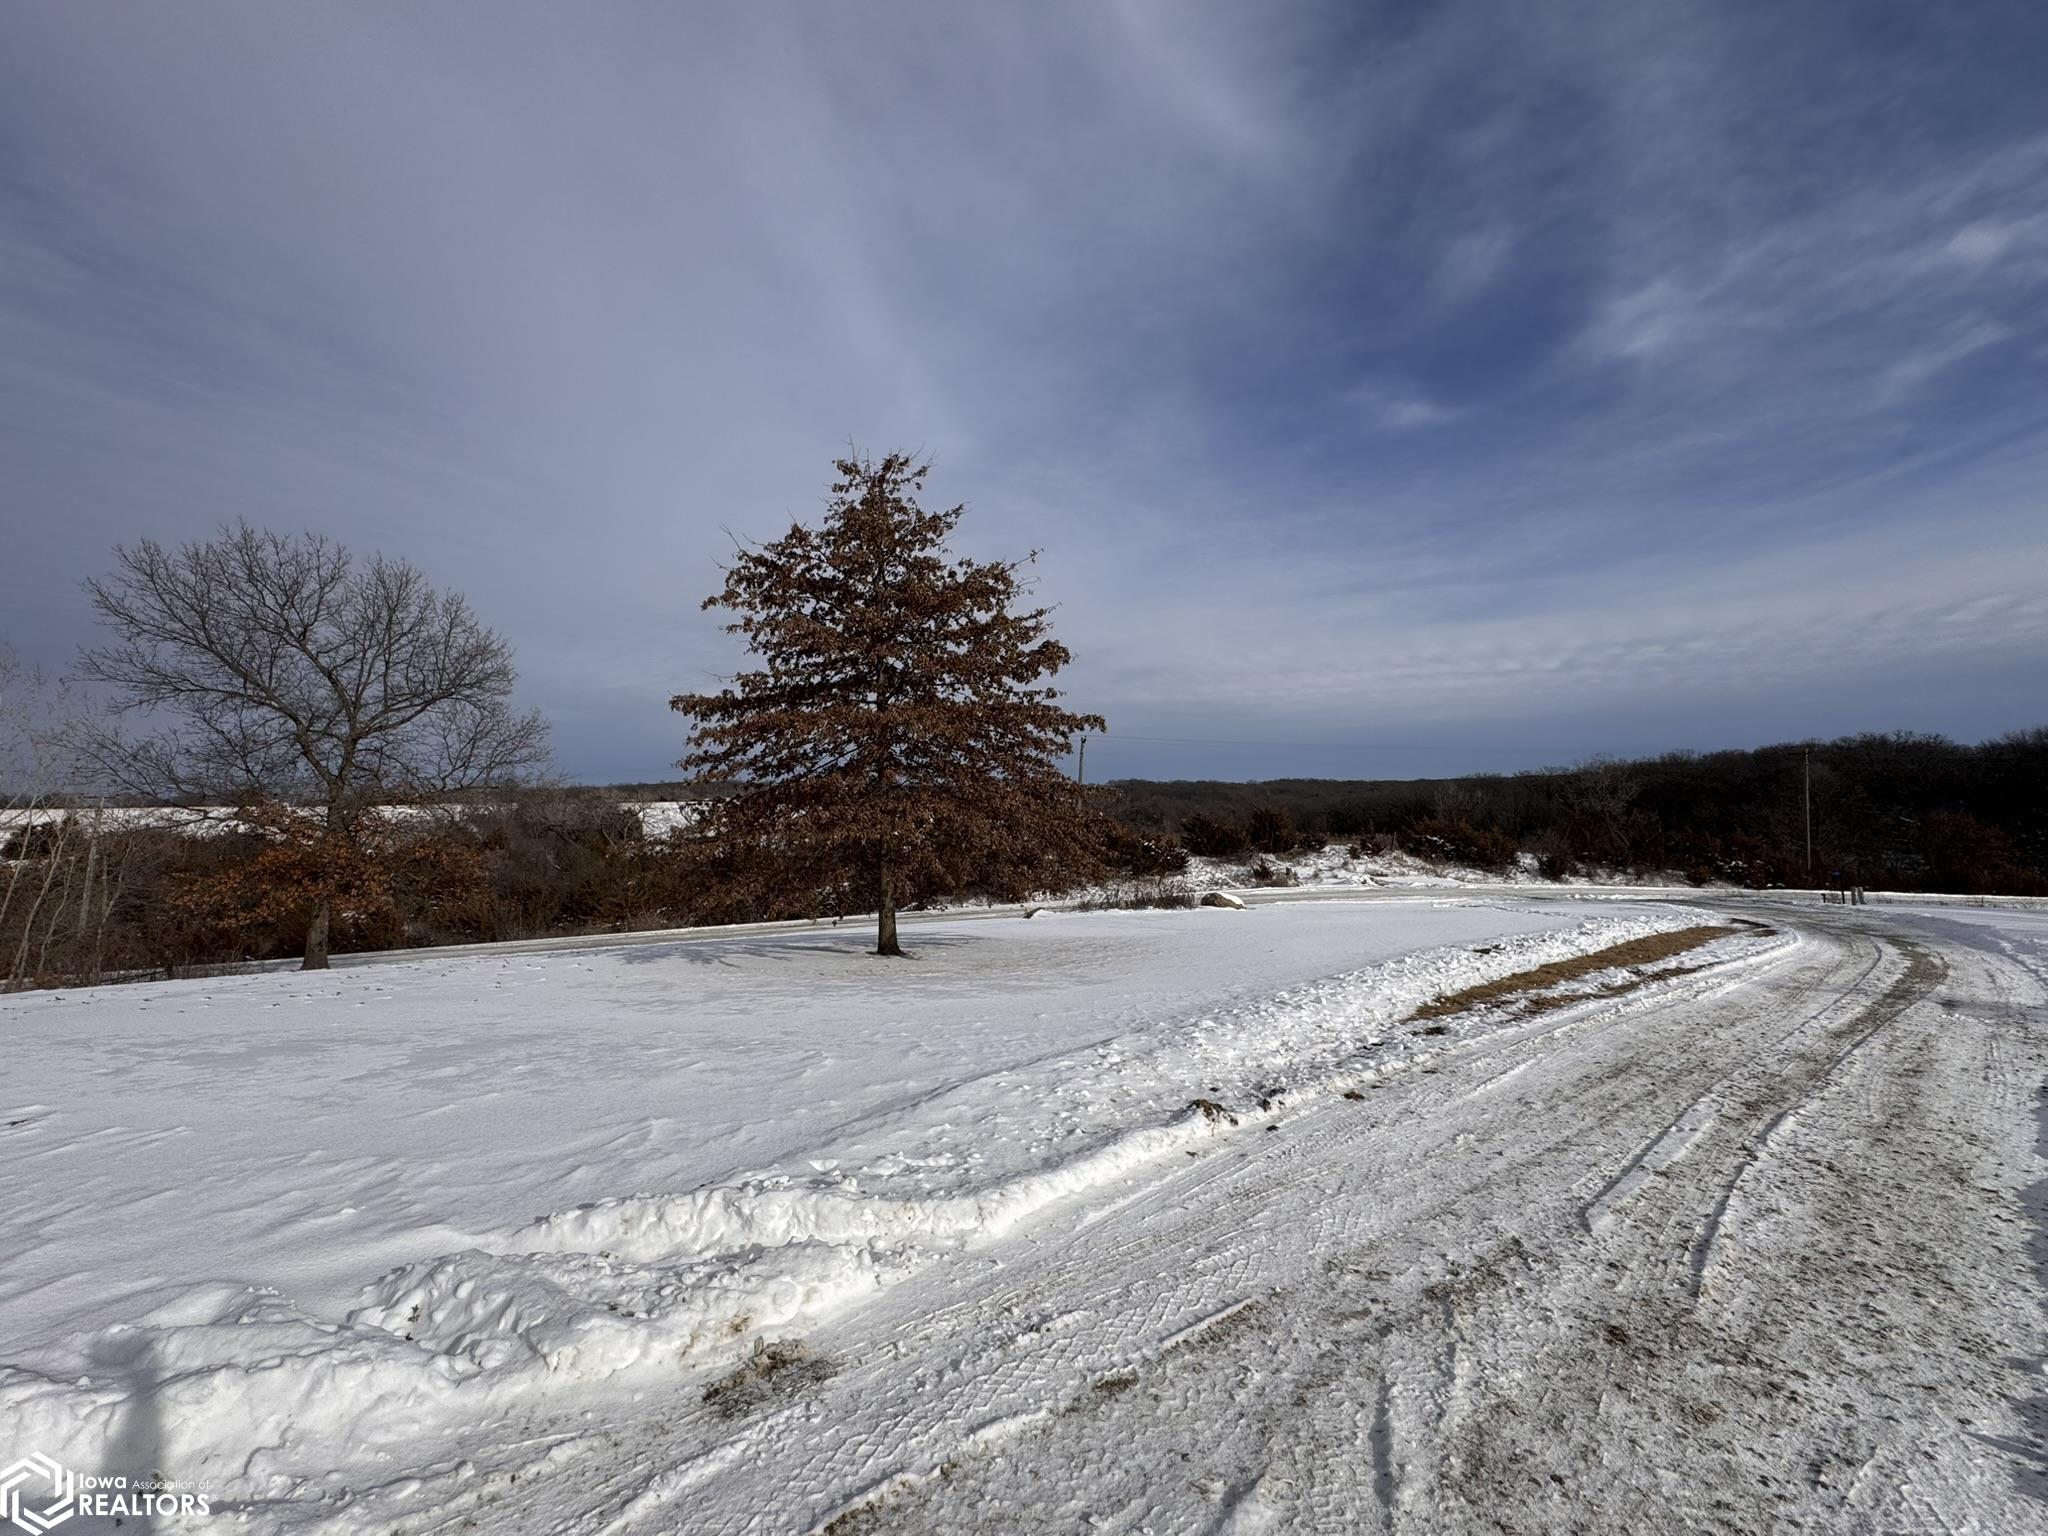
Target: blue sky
<point>1392,390</point>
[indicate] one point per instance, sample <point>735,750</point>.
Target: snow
<point>1334,864</point>
<point>368,1154</point>
<point>398,1112</point>
<point>658,818</point>
<point>662,818</point>
<point>384,1241</point>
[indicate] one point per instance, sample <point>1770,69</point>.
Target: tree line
<point>1897,811</point>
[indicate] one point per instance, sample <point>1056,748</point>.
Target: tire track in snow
<point>1350,1207</point>
<point>1255,1174</point>
<point>1924,972</point>
<point>1723,1105</point>
<point>1444,1426</point>
<point>1392,1393</point>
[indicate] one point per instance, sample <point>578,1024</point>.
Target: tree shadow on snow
<point>840,947</point>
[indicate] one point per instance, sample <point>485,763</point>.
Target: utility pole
<point>1809,815</point>
<point>1081,768</point>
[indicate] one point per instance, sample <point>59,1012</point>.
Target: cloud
<point>1472,261</point>
<point>1657,317</point>
<point>1448,363</point>
<point>1917,368</point>
<point>1398,409</point>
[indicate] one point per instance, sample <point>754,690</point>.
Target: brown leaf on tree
<point>898,739</point>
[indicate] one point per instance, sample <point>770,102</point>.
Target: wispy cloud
<point>1914,370</point>
<point>1397,409</point>
<point>1441,365</point>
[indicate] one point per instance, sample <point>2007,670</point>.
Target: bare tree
<point>899,736</point>
<point>281,668</point>
<point>1456,800</point>
<point>33,828</point>
<point>1604,791</point>
<point>35,720</point>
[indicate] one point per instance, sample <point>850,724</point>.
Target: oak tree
<point>898,737</point>
<point>281,670</point>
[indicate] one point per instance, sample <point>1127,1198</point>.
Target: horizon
<point>1393,394</point>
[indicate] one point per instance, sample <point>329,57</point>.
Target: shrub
<point>1123,895</point>
<point>1265,872</point>
<point>1750,861</point>
<point>1459,842</point>
<point>1269,829</point>
<point>1212,837</point>
<point>1141,855</point>
<point>1972,858</point>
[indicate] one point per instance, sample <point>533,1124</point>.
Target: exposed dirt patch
<point>1532,989</point>
<point>773,1371</point>
<point>1100,1391</point>
<point>856,1521</point>
<point>1215,1329</point>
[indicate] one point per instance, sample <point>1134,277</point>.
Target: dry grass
<point>856,1521</point>
<point>1528,986</point>
<point>774,1370</point>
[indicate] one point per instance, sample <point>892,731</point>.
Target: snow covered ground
<point>658,818</point>
<point>1334,864</point>
<point>1158,1220</point>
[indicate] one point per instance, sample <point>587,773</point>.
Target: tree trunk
<point>316,937</point>
<point>18,976</point>
<point>92,863</point>
<point>885,931</point>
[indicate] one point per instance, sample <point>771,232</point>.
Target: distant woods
<point>1893,812</point>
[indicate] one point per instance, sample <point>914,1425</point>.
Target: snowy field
<point>307,1132</point>
<point>1062,1218</point>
